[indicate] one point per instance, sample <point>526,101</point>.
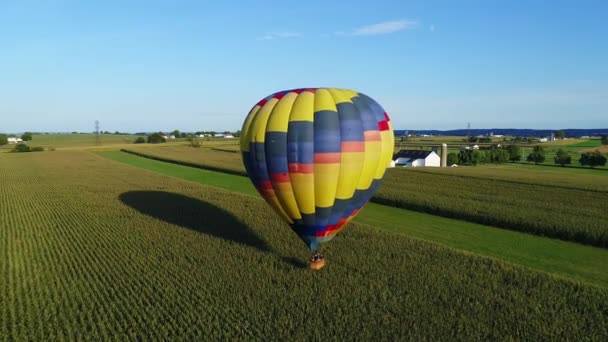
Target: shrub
<point>21,148</point>
<point>156,138</point>
<point>140,140</point>
<point>3,139</point>
<point>452,159</point>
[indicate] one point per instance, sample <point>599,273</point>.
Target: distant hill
<point>508,131</point>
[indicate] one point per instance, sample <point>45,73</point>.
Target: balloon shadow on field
<point>194,214</point>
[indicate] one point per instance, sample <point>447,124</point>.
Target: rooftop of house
<point>412,154</point>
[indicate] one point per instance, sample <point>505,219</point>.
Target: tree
<point>470,157</point>
<point>176,133</point>
<point>560,135</point>
<point>140,140</point>
<point>531,140</point>
<point>452,159</point>
<point>498,156</point>
<point>3,139</point>
<point>538,155</point>
<point>21,148</point>
<point>514,153</point>
<point>562,157</point>
<point>604,139</point>
<point>27,136</point>
<point>156,138</point>
<point>592,159</point>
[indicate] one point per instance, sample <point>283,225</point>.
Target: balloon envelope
<point>317,156</point>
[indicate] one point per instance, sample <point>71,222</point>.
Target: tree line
<point>513,153</point>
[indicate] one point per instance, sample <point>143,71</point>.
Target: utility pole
<point>97,136</point>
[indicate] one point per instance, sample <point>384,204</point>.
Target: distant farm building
<point>218,135</point>
<point>228,136</point>
<point>13,140</point>
<point>416,158</point>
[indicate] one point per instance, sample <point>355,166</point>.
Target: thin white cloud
<point>280,35</point>
<point>385,27</point>
<point>432,28</point>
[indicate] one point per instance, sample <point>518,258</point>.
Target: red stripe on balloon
<point>327,158</point>
<point>352,146</point>
<point>266,185</point>
<point>383,126</point>
<point>386,117</point>
<point>329,229</point>
<point>279,177</point>
<point>301,168</point>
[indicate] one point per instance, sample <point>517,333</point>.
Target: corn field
<point>94,249</point>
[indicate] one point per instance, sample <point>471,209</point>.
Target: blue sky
<point>201,65</point>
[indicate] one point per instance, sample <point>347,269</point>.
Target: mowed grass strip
<point>565,259</point>
<point>95,249</point>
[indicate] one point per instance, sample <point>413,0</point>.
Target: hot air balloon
<point>317,155</point>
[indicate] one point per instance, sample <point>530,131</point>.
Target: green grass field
<point>587,143</point>
<point>95,249</point>
<point>561,258</point>
<point>78,140</point>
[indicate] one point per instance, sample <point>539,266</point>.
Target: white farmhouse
<point>13,140</point>
<point>228,136</point>
<point>218,135</point>
<point>416,158</point>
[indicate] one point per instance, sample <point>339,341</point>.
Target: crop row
<point>568,214</point>
<point>93,249</point>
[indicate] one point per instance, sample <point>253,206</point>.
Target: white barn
<point>416,158</point>
<point>13,140</point>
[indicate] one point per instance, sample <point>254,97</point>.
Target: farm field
<point>578,178</point>
<point>564,259</point>
<point>584,179</point>
<point>215,158</point>
<point>565,213</point>
<point>513,200</point>
<point>78,140</point>
<point>95,249</point>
